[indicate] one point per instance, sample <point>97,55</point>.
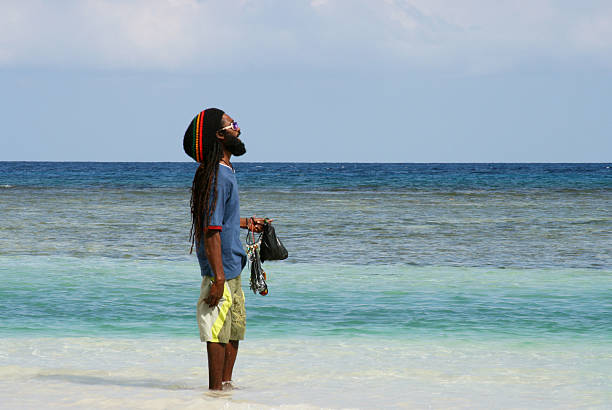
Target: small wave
<point>7,186</point>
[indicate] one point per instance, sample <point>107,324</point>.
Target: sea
<point>407,286</point>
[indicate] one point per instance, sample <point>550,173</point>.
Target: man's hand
<point>257,224</point>
<point>216,292</point>
<point>212,245</point>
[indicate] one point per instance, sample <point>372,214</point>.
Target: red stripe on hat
<point>196,127</point>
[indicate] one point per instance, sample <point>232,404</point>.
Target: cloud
<point>593,34</point>
<point>209,36</point>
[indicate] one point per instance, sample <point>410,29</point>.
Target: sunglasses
<point>233,125</point>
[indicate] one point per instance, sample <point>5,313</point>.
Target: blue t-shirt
<point>226,219</point>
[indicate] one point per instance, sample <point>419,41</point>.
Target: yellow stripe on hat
<point>197,138</point>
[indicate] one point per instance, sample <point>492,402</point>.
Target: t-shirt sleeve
<point>216,220</point>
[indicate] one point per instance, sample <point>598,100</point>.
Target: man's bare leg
<point>231,350</point>
<point>216,356</point>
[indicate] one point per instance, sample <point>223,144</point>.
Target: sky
<point>309,80</point>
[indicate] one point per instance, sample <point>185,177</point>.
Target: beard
<point>234,145</point>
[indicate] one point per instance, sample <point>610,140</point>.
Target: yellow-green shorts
<point>227,320</point>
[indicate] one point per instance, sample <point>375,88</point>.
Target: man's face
<point>229,135</point>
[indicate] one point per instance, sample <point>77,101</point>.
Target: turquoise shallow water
<point>441,285</point>
<point>67,296</point>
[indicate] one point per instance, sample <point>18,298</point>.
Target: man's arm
<point>212,245</point>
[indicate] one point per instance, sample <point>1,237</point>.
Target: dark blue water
<point>316,176</point>
<point>488,215</point>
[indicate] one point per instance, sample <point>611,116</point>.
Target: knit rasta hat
<point>201,133</point>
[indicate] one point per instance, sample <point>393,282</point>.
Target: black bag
<point>272,248</point>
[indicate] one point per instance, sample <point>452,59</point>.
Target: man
<point>211,139</point>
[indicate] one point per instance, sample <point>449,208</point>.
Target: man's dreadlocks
<point>201,144</point>
<point>204,182</point>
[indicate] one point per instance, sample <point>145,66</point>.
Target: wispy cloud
<point>468,35</point>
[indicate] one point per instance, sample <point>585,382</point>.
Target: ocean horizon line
<point>306,162</point>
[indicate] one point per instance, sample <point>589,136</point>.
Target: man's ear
<point>220,136</point>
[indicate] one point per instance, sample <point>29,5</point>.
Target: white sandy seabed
<point>168,373</point>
